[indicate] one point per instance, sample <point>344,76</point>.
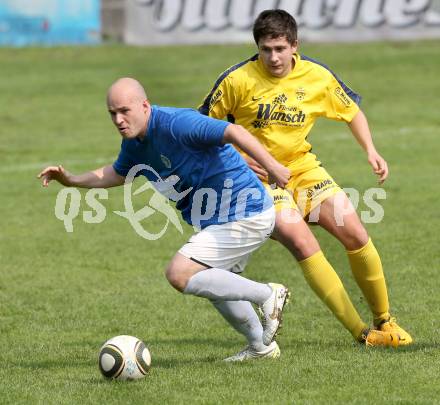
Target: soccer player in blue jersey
<point>222,197</point>
<point>277,95</point>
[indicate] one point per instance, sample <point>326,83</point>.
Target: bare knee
<point>301,247</point>
<point>176,278</point>
<point>352,235</point>
<point>297,238</point>
<point>355,239</point>
<point>339,217</point>
<point>180,270</point>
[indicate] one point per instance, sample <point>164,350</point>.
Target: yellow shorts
<point>305,191</point>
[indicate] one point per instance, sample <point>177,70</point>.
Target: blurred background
<point>154,22</point>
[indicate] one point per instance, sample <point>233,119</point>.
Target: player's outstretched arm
<point>239,136</point>
<point>103,177</point>
<point>361,131</point>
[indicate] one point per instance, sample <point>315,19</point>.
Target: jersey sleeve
<point>198,131</point>
<point>341,103</point>
<point>123,163</point>
<point>222,99</point>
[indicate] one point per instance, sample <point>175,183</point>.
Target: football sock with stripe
<point>327,285</point>
<point>218,284</point>
<point>367,270</point>
<point>243,318</point>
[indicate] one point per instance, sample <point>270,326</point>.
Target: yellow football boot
<point>374,338</point>
<point>391,326</point>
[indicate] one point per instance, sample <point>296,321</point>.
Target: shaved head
<point>128,87</point>
<point>128,106</point>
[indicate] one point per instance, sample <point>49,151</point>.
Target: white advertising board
<point>160,22</point>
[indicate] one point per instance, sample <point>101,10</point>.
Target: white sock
<point>243,318</point>
<point>218,284</point>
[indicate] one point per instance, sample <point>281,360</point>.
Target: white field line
<point>24,167</point>
<point>403,131</point>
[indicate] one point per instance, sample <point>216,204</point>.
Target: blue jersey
<point>185,159</point>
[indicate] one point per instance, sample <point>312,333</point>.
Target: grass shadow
<point>198,341</point>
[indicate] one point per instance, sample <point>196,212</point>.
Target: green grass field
<point>63,294</point>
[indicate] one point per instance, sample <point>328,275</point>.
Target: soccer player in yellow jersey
<point>277,95</point>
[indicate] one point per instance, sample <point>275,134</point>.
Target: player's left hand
<point>279,175</point>
<point>258,169</point>
<point>379,165</point>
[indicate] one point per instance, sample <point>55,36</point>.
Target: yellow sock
<point>324,281</point>
<point>367,270</point>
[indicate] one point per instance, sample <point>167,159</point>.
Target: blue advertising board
<point>49,22</point>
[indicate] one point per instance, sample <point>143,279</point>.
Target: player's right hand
<point>379,165</point>
<point>57,173</point>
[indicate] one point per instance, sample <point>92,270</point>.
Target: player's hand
<point>379,165</point>
<point>57,173</point>
<point>259,170</point>
<point>279,175</point>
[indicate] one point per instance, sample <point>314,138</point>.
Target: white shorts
<point>228,246</point>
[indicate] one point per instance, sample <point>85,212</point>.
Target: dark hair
<point>273,24</point>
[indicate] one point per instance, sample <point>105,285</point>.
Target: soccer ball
<point>124,358</point>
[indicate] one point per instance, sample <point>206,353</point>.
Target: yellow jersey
<point>280,112</point>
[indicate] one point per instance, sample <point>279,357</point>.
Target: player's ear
<point>295,45</point>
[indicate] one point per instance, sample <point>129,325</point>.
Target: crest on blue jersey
<point>165,161</point>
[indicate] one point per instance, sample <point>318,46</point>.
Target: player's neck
<point>143,134</point>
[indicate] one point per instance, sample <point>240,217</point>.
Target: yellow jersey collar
<point>296,58</point>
